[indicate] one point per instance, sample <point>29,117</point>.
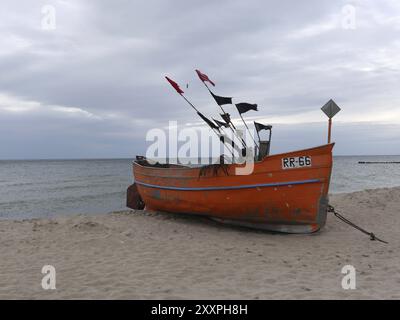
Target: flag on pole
<point>221,124</point>
<point>203,77</point>
<point>244,107</point>
<point>260,126</point>
<point>175,85</point>
<point>208,121</point>
<point>226,117</point>
<point>221,100</point>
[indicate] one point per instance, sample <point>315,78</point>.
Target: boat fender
<point>133,198</point>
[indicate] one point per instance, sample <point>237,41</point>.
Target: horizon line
<point>131,158</point>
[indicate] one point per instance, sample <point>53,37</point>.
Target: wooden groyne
<point>378,162</point>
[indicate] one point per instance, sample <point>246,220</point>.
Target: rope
<point>339,216</point>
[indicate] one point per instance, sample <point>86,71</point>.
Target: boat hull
<point>272,197</point>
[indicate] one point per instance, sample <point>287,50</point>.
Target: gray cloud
<point>109,59</point>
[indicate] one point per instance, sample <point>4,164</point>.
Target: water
<point>46,188</point>
<point>348,175</point>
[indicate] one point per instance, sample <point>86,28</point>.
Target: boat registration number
<point>296,162</point>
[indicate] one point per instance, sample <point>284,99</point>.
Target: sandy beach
<point>143,255</point>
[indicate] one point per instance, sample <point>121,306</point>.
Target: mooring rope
<point>338,215</point>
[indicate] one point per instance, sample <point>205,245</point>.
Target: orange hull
<point>278,195</point>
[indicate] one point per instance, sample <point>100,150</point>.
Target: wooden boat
<point>286,192</point>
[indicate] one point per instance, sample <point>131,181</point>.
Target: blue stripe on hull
<point>248,186</point>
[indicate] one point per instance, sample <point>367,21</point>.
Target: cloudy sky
<point>84,79</point>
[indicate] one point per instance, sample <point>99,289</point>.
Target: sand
<point>142,255</point>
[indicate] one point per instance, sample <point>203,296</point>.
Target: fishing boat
<point>285,192</point>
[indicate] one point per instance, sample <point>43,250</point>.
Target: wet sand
<point>143,255</point>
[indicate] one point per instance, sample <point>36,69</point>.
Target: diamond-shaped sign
<point>330,108</point>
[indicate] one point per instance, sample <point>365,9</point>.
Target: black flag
<point>221,124</point>
<point>226,117</point>
<point>208,121</point>
<point>244,107</point>
<point>260,126</point>
<point>221,100</point>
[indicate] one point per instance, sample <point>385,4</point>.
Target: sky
<point>85,79</point>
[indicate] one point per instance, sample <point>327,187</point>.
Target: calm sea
<point>45,188</point>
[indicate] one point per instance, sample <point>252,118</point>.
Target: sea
<point>48,188</point>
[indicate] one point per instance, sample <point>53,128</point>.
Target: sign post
<point>330,109</point>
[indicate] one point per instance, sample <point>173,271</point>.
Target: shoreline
<point>147,255</point>
<point>91,214</point>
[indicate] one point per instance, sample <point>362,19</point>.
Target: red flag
<point>175,85</point>
<point>203,77</point>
